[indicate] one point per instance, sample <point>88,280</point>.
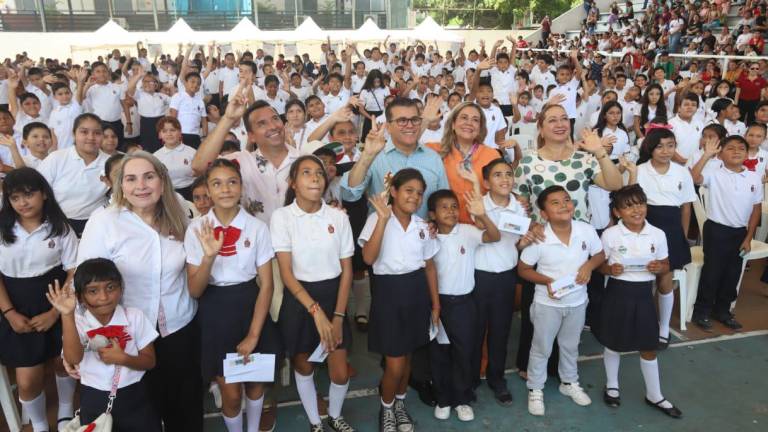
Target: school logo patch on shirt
<point>330,229</point>
<point>51,244</point>
<point>622,249</point>
<point>752,188</point>
<point>186,162</point>
<point>421,234</point>
<point>247,243</point>
<point>653,248</point>
<point>462,250</point>
<point>583,245</point>
<point>680,186</point>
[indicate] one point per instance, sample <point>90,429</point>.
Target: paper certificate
<point>319,355</point>
<point>636,264</point>
<point>513,223</point>
<point>564,286</point>
<point>260,368</point>
<point>442,336</point>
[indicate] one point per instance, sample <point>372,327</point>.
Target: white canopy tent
<point>369,31</point>
<point>308,31</point>
<point>180,32</point>
<point>245,30</point>
<point>429,30</point>
<point>110,35</point>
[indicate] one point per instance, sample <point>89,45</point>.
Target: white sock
<point>65,387</point>
<point>36,410</point>
<point>336,395</point>
<point>611,360</point>
<point>308,395</point>
<point>650,369</point>
<point>400,396</point>
<point>387,405</point>
<point>666,301</point>
<point>253,412</point>
<point>362,297</point>
<point>234,424</point>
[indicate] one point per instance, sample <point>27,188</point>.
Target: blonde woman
<point>143,233</point>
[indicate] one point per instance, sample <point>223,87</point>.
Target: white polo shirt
<point>687,135</point>
<point>357,83</point>
<point>230,78</point>
<point>335,103</point>
<point>45,100</point>
<point>151,105</point>
<point>494,122</point>
<point>105,101</point>
<point>178,160</point>
<point>402,250</point>
<point>22,119</point>
<point>264,184</point>
<point>556,260</point>
<point>316,241</point>
<point>279,101</point>
<point>455,260</point>
<point>189,111</point>
<point>503,82</point>
<point>98,375</point>
<point>673,188</point>
<point>153,266</point>
<point>762,161</point>
<point>621,146</point>
<point>34,254</point>
<point>500,256</point>
<point>374,99</point>
<point>569,90</point>
<point>31,161</point>
<point>732,195</point>
<point>235,263</point>
<point>77,186</point>
<point>545,79</point>
<point>62,120</point>
<point>735,127</point>
<point>619,244</point>
<point>629,110</point>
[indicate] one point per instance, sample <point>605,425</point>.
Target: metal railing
<point>83,21</point>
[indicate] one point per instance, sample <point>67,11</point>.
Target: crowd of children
<point>245,204</point>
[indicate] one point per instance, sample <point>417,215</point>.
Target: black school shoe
<point>704,323</point>
<point>503,397</point>
<point>672,412</point>
<point>613,402</point>
<point>730,322</point>
<point>663,343</point>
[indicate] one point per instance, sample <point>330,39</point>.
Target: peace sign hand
<point>375,141</point>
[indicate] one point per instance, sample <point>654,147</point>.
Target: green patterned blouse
<point>575,174</point>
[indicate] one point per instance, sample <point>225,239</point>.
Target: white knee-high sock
<point>35,408</point>
<point>650,369</point>
<point>611,360</point>
<point>65,387</point>
<point>253,412</point>
<point>666,301</point>
<point>336,395</point>
<point>234,424</point>
<point>362,297</point>
<point>308,395</point>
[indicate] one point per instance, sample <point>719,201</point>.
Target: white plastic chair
<point>8,402</point>
<point>693,269</point>
<point>762,231</point>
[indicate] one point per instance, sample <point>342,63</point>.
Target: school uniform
<point>153,267</point>
<point>225,310</point>
<point>451,365</point>
<point>560,319</point>
<point>400,302</point>
<point>105,100</point>
<point>189,110</point>
<point>687,135</point>
<point>627,320</point>
<point>132,410</point>
<point>27,266</point>
<point>23,119</point>
<point>494,294</point>
<point>151,108</point>
<point>77,186</point>
<point>666,194</point>
<point>178,160</point>
<point>759,163</point>
<point>374,105</point>
<point>278,102</point>
<point>337,102</point>
<point>229,78</point>
<point>45,99</point>
<point>317,242</point>
<point>494,121</point>
<point>32,161</point>
<point>503,83</point>
<point>61,121</point>
<point>732,197</point>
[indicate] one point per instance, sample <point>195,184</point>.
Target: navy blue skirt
<point>27,296</point>
<point>627,317</point>
<point>298,327</point>
<point>400,313</point>
<point>669,219</point>
<point>225,314</point>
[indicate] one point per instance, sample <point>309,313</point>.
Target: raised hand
<point>475,204</point>
<point>375,141</point>
<point>627,165</point>
<point>379,202</point>
<point>591,142</point>
<point>238,102</point>
<point>211,245</point>
<point>711,147</point>
<point>431,110</point>
<point>61,298</point>
<point>7,141</point>
<point>556,99</point>
<point>486,64</point>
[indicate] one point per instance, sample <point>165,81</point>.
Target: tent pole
<point>295,13</point>
<point>41,8</point>
<point>110,6</point>
<point>354,13</point>
<point>255,8</point>
<point>154,15</point>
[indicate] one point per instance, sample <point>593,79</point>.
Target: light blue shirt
<point>391,160</point>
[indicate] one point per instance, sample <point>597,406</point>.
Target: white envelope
<point>319,355</point>
<point>513,223</point>
<point>564,286</point>
<point>433,330</point>
<point>636,264</point>
<point>260,368</point>
<point>442,336</point>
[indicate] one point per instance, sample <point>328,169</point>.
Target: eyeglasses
<point>403,122</point>
<point>754,69</point>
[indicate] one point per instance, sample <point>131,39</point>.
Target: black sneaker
<point>316,427</point>
<point>403,419</point>
<point>730,322</point>
<point>387,421</point>
<point>338,424</point>
<point>612,401</point>
<point>503,398</point>
<point>703,322</point>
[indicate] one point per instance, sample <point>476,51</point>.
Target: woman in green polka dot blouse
<point>560,162</point>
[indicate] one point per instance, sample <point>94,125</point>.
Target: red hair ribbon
<point>652,126</point>
<point>111,332</point>
<point>231,235</point>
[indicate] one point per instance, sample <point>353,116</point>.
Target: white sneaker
<point>575,392</point>
<point>465,413</point>
<point>442,413</point>
<point>536,402</point>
